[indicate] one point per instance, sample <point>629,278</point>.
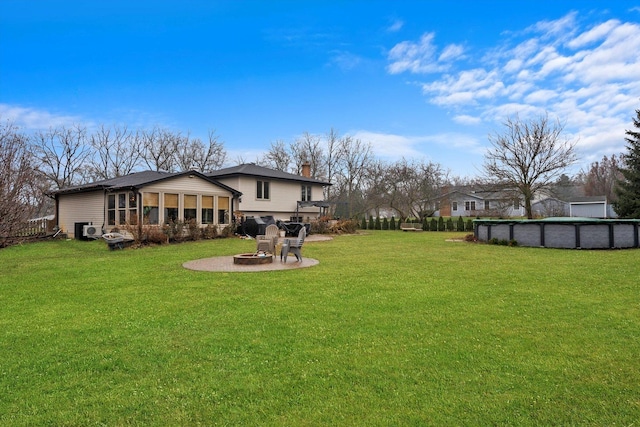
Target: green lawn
<point>390,328</point>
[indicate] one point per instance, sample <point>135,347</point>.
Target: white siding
<point>81,207</point>
<point>282,201</point>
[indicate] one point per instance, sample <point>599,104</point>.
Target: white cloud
<point>420,57</point>
<point>345,60</point>
<point>33,119</point>
<point>585,75</point>
<point>395,26</point>
<point>395,147</point>
<point>451,52</point>
<point>465,119</point>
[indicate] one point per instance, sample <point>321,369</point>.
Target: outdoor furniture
<point>293,246</point>
<point>267,242</point>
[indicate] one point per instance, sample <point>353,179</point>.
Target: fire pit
<point>252,259</point>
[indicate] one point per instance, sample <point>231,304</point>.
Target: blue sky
<point>425,80</point>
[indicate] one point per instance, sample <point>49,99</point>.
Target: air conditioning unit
<point>91,231</point>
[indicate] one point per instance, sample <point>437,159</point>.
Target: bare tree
<point>601,178</point>
<point>278,156</point>
<point>308,149</point>
<point>18,178</point>
<point>159,148</point>
<point>211,156</point>
<point>331,159</point>
<point>117,152</point>
<point>62,155</point>
<point>528,156</point>
<point>355,157</point>
<point>193,154</point>
<point>411,187</point>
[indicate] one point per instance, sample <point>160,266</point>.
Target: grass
<point>390,328</point>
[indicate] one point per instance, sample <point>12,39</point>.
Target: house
<point>283,195</point>
<point>478,203</point>
<point>144,197</point>
<point>591,207</point>
<point>151,197</point>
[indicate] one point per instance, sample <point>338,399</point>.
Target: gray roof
<point>251,169</point>
<point>137,180</point>
<point>590,199</point>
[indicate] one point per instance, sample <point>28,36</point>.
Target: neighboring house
<point>591,207</point>
<point>478,203</point>
<point>144,197</point>
<point>550,207</point>
<point>283,195</point>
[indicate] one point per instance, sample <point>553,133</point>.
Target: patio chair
<point>269,239</point>
<point>293,246</point>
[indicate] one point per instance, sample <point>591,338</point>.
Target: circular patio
<point>226,264</point>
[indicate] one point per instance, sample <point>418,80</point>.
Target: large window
<point>133,208</point>
<point>223,210</point>
<point>111,209</point>
<point>190,211</point>
<point>470,206</point>
<point>486,205</point>
<point>262,190</point>
<point>122,208</point>
<point>207,209</point>
<point>454,206</point>
<point>170,207</point>
<point>150,208</point>
<point>306,193</point>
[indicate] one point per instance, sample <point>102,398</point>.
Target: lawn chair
<point>293,246</point>
<point>268,240</point>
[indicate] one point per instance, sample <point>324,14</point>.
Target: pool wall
<point>568,233</point>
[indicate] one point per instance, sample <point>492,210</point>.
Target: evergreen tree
<point>469,224</point>
<point>371,224</point>
<point>385,223</point>
<point>392,223</point>
<point>460,226</point>
<point>378,224</point>
<point>425,224</point>
<point>363,224</point>
<point>450,224</point>
<point>434,225</point>
<point>628,189</point>
<point>440,224</point>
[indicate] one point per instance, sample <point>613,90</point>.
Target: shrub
<point>434,225</point>
<point>210,232</point>
<point>363,224</point>
<point>320,227</point>
<point>425,224</point>
<point>449,224</point>
<point>385,224</point>
<point>392,223</point>
<point>175,230</point>
<point>193,230</point>
<point>228,231</point>
<point>460,225</point>
<point>469,225</point>
<point>349,226</point>
<point>371,225</point>
<point>440,224</point>
<point>153,234</point>
<point>377,225</point>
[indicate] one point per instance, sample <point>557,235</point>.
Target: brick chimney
<point>306,169</point>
